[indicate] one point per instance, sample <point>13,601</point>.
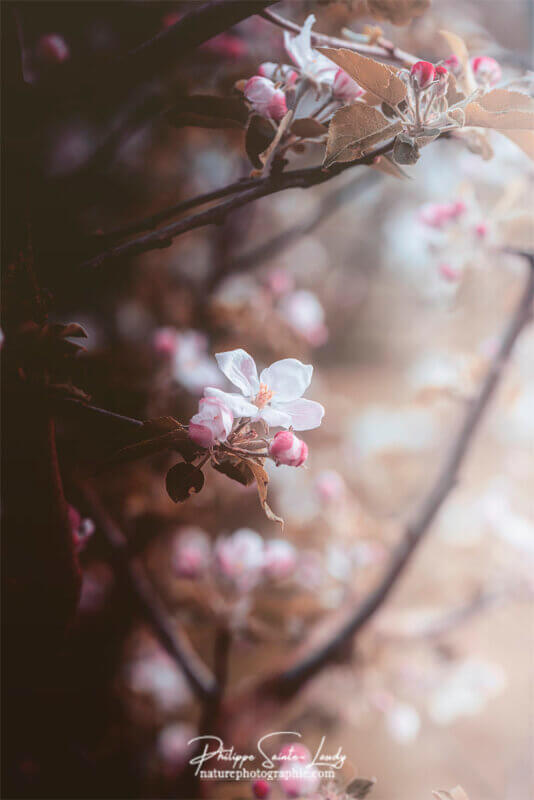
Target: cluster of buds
<point>225,422</point>
<point>425,113</point>
<point>241,561</point>
<point>311,85</point>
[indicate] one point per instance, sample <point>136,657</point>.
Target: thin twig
<point>170,635</point>
<point>305,665</point>
<point>271,184</point>
<point>384,50</point>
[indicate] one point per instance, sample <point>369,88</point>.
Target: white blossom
<point>275,397</point>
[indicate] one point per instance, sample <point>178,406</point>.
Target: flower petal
<point>240,369</point>
<point>274,417</point>
<point>288,379</point>
<point>304,414</point>
<point>235,402</point>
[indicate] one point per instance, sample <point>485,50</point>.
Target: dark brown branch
<point>271,184</point>
<point>154,57</point>
<point>383,50</point>
<point>288,681</point>
<point>170,635</point>
<point>328,206</point>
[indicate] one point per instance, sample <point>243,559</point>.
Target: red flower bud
<point>53,48</point>
<point>261,789</point>
<point>453,65</point>
<point>486,70</point>
<point>423,74</point>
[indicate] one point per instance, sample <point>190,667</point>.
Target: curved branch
<point>171,636</point>
<point>271,184</point>
<point>289,680</point>
<point>384,50</point>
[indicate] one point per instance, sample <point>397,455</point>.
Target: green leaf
<point>183,480</point>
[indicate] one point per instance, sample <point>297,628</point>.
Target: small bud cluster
<point>239,562</point>
<point>276,87</point>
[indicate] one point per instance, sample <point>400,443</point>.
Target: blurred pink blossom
<point>191,553</point>
<point>280,559</point>
<point>240,559</point>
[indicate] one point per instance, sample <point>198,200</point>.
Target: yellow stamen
<point>264,396</point>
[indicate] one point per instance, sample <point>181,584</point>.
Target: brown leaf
<point>262,481</point>
<point>505,100</point>
<point>405,152</point>
<point>156,436</point>
<point>454,95</point>
<point>516,119</point>
<point>399,12</point>
<point>387,166</point>
<point>360,787</point>
<point>259,136</point>
<point>355,130</point>
<point>523,139</point>
<point>235,468</point>
<point>182,481</point>
<point>376,78</point>
<point>308,128</point>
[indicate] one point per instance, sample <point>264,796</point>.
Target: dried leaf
<point>182,481</point>
<point>235,468</point>
<point>516,119</point>
<point>267,156</point>
<point>399,12</point>
<point>505,100</point>
<point>258,137</point>
<point>360,787</point>
<point>454,95</point>
<point>376,78</point>
<point>308,128</point>
<point>262,481</point>
<point>355,130</point>
<point>405,151</point>
<point>156,436</point>
<point>458,116</point>
<point>387,166</point>
<point>523,139</point>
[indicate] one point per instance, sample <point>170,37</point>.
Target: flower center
<point>264,396</point>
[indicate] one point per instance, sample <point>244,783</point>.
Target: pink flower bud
<point>82,529</point>
<point>481,230</point>
<point>265,98</point>
<point>191,553</point>
<point>330,486</point>
<point>457,209</point>
<point>226,45</point>
<point>280,559</point>
<point>345,88</point>
<point>261,789</point>
<point>288,449</point>
<point>171,19</point>
<point>448,272</point>
<point>53,48</point>
<point>486,70</point>
<point>423,74</point>
<point>453,65</point>
<point>212,424</point>
<point>280,281</point>
<point>277,72</point>
<point>298,776</point>
<point>240,559</point>
<point>165,341</point>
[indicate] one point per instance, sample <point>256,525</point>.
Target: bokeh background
<point>399,322</point>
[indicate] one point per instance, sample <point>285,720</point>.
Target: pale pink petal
<point>240,369</point>
<point>275,418</point>
<point>304,414</point>
<point>235,402</point>
<point>288,379</point>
